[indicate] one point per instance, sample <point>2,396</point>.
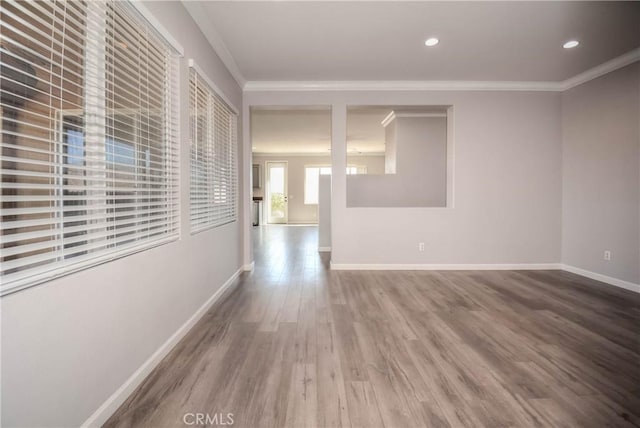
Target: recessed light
<point>431,41</point>
<point>571,44</point>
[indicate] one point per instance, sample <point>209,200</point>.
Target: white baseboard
<point>108,408</point>
<point>324,249</point>
<point>249,267</point>
<point>520,266</point>
<point>603,278</point>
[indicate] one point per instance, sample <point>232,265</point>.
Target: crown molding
<point>291,154</point>
<point>313,154</point>
<point>399,85</point>
<point>602,69</point>
<point>326,108</point>
<point>200,16</point>
<point>396,114</point>
<point>388,119</point>
<point>445,85</point>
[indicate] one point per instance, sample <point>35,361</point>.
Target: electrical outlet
<point>421,246</point>
<point>607,255</point>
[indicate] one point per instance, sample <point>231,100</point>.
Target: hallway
<point>294,344</point>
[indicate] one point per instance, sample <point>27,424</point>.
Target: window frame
<point>215,97</point>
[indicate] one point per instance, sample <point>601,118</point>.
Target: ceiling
<point>384,40</point>
<point>301,131</point>
<point>324,41</point>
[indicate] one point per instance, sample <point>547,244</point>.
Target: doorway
<point>277,195</point>
<point>285,140</point>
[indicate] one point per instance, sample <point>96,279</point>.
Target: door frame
<point>268,190</point>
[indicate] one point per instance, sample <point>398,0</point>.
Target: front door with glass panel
<point>277,194</point>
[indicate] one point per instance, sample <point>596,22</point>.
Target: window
<point>89,137</point>
<point>213,138</point>
<point>356,169</point>
<point>312,179</point>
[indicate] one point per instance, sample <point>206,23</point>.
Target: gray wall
<point>69,344</point>
<point>507,182</point>
<point>299,212</point>
<point>324,212</point>
<point>419,161</point>
<point>601,178</point>
<point>391,147</point>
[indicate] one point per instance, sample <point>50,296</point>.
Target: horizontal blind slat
<point>213,145</point>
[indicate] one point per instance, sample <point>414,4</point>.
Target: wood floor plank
<point>291,305</point>
<point>306,333</point>
<point>393,309</point>
<point>351,358</point>
<point>252,386</point>
<point>392,404</point>
<point>332,396</point>
<point>302,403</point>
<point>363,407</point>
<point>294,344</point>
<point>275,395</point>
<point>273,313</point>
<point>335,288</point>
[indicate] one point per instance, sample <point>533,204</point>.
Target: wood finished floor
<point>297,345</point>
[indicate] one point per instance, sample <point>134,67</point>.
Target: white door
<point>277,193</point>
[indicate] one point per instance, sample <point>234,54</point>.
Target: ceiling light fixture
<point>571,44</point>
<point>431,41</point>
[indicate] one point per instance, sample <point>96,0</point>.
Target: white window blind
<point>213,136</point>
<point>89,137</point>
